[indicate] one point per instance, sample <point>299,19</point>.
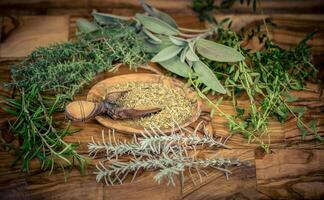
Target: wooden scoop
<point>85,110</point>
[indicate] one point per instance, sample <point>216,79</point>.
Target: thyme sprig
<point>51,76</point>
<point>266,77</point>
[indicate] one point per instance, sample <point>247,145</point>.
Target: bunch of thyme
<point>170,154</point>
<point>266,77</point>
<point>51,76</point>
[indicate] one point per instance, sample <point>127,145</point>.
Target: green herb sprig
<point>51,76</point>
<point>173,47</point>
<point>169,154</point>
<point>266,77</point>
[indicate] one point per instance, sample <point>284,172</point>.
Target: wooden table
<point>294,169</point>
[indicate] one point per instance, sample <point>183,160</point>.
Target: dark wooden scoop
<point>85,110</point>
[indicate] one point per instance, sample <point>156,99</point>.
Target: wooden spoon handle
<point>83,110</point>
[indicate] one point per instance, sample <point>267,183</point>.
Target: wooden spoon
<point>85,110</point>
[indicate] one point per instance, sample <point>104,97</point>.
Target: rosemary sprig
<point>170,154</point>
<point>41,136</point>
<point>153,142</point>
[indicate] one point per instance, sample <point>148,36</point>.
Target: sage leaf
<point>190,55</point>
<point>174,65</point>
<point>106,19</point>
<point>156,25</point>
<point>159,14</point>
<point>84,26</point>
<point>207,76</point>
<point>152,36</point>
<point>167,53</point>
<point>217,52</point>
<point>183,54</point>
<point>165,17</point>
<point>150,47</point>
<point>177,41</point>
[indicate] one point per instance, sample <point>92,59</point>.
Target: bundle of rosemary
<point>170,155</point>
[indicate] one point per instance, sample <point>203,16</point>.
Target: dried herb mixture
<point>176,107</point>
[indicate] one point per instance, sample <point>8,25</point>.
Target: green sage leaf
<point>192,55</point>
<point>177,41</point>
<point>174,65</point>
<point>206,76</point>
<point>156,25</point>
<point>167,53</point>
<point>84,26</point>
<point>159,14</point>
<point>217,52</point>
<point>183,54</point>
<point>106,19</point>
<point>152,36</point>
<point>151,47</point>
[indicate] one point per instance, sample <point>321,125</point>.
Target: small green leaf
<point>289,97</point>
<point>156,25</point>
<point>313,126</point>
<point>298,109</point>
<point>152,36</point>
<point>165,17</point>
<point>159,14</point>
<point>206,75</point>
<point>300,126</point>
<point>177,41</point>
<point>151,47</point>
<point>106,19</point>
<point>237,73</point>
<point>85,26</point>
<point>191,55</point>
<point>183,54</point>
<point>217,52</point>
<point>176,66</point>
<point>167,53</point>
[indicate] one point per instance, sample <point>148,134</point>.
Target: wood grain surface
<point>25,39</point>
<point>294,169</point>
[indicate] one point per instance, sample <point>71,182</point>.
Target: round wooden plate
<point>100,89</point>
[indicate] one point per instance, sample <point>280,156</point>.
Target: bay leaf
<point>85,26</point>
<point>167,53</point>
<point>217,52</point>
<point>207,76</point>
<point>156,25</point>
<point>174,65</point>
